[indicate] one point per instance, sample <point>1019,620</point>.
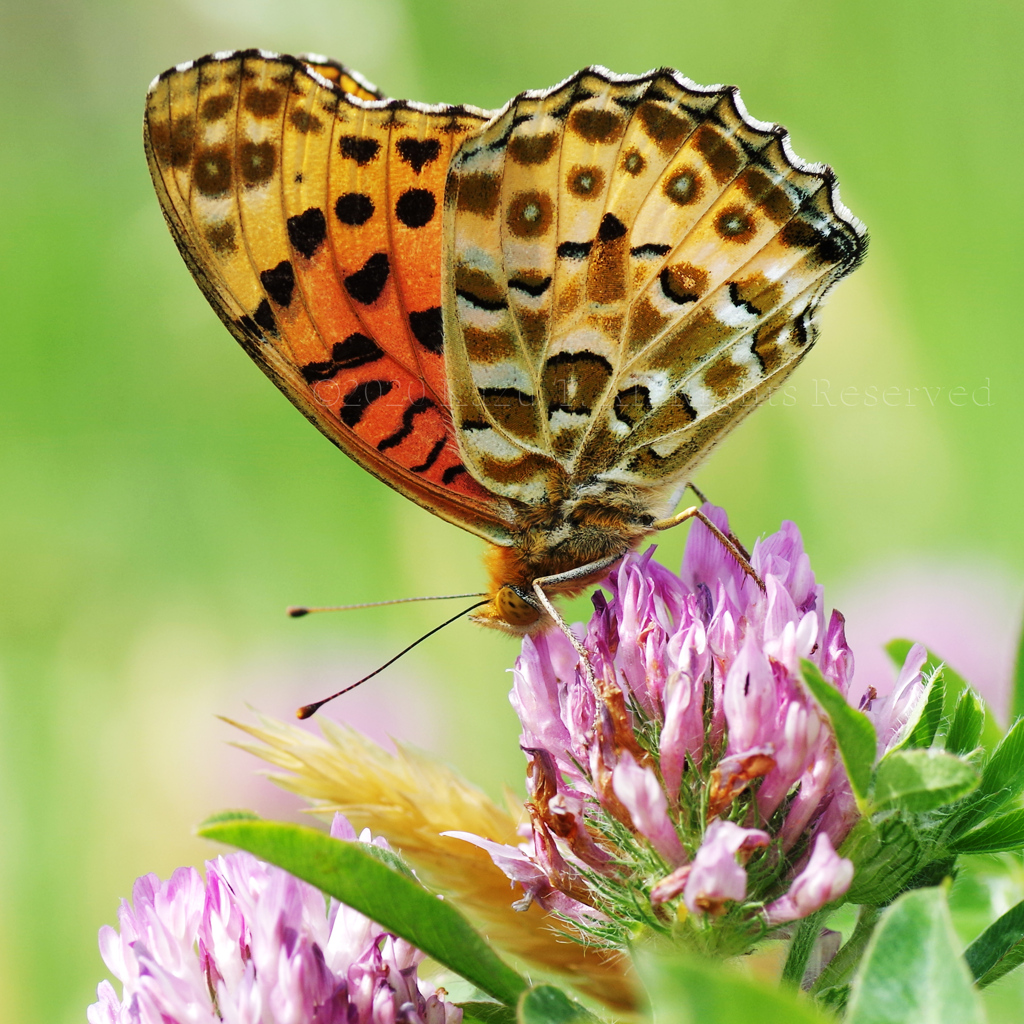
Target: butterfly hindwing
<point>635,264</point>
<point>309,210</point>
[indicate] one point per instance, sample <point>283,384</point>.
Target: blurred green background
<point>161,503</point>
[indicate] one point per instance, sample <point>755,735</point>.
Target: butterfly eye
<point>515,607</point>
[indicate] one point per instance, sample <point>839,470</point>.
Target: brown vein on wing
<point>603,404</point>
<point>710,301</point>
<point>619,367</point>
<point>525,359</point>
<point>581,315</point>
<point>639,440</point>
<point>712,295</point>
<point>223,289</point>
<point>300,278</point>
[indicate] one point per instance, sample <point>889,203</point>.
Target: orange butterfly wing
<point>308,208</point>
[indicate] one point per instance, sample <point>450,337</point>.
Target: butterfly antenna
<point>297,611</point>
<point>311,709</point>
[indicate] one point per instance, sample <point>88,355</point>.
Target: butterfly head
<point>514,606</point>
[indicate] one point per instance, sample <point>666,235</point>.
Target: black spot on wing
<point>211,171</point>
<point>611,228</point>
<point>356,350</point>
<point>657,95</point>
<point>452,472</point>
<point>838,247</point>
<point>534,288</point>
<point>417,153</point>
<point>628,102</point>
<point>264,317</point>
<point>359,148</point>
<point>734,298</point>
<point>573,250</point>
<point>432,456</point>
<point>683,400</point>
<point>649,251</point>
<point>366,284</point>
<point>578,95</point>
<point>481,303</point>
<point>831,247</point>
<point>505,396</point>
<point>415,207</point>
<point>360,398</point>
<point>313,372</point>
<point>632,404</point>
<point>428,329</point>
<point>412,411</point>
<point>574,381</point>
<point>279,282</point>
<point>672,292</point>
<point>248,325</point>
<point>307,231</point>
<point>353,208</point>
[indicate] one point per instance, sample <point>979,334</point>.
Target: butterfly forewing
<point>643,272</point>
<point>309,211</point>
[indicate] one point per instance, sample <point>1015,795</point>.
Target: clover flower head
<point>254,945</point>
<point>698,774</point>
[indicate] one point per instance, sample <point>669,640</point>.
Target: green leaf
<point>355,876</point>
<point>692,991</point>
<point>1003,833</point>
<point>912,971</point>
<point>487,1013</point>
<point>886,854</point>
<point>998,949</point>
<point>855,735</point>
<point>546,1004</point>
<point>955,684</point>
<point>834,999</point>
<point>966,724</point>
<point>1017,696</point>
<point>240,815</point>
<point>1002,777</point>
<point>390,858</point>
<point>923,733</point>
<point>921,780</point>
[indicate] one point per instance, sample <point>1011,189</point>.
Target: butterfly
<point>535,322</point>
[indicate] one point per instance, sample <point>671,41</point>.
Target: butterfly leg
<point>727,541</point>
<point>572,576</point>
<point>701,496</point>
<point>703,499</point>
